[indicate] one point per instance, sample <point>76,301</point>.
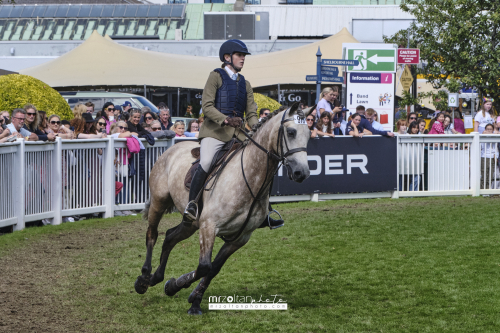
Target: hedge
<point>265,102</point>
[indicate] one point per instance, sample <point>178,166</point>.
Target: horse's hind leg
<point>197,295</point>
<point>154,211</point>
<point>172,238</point>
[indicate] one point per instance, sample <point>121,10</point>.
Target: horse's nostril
<point>297,174</point>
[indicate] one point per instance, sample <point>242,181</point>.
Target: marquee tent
<point>99,61</point>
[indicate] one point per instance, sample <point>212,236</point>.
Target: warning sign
<point>409,56</point>
<point>406,78</point>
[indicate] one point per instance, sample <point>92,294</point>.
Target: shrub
<point>17,90</point>
<point>265,102</point>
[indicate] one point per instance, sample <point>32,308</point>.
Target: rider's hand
<point>234,122</point>
<point>390,134</point>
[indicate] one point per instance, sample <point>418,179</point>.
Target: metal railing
<point>76,177</point>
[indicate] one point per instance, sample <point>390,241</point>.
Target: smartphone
<point>4,126</point>
<point>103,130</point>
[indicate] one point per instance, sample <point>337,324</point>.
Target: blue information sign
<point>339,62</point>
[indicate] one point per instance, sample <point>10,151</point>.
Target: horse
<point>281,137</point>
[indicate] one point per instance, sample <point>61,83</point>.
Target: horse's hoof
<point>170,287</point>
<point>141,285</point>
<point>195,311</point>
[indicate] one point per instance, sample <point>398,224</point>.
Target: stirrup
<point>269,220</point>
<point>187,214</point>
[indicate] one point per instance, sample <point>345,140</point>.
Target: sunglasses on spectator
<point>53,122</point>
<point>121,127</point>
<point>413,118</point>
<point>156,128</point>
<point>149,118</point>
<point>31,113</point>
<point>102,124</point>
<point>18,118</point>
<point>309,119</point>
<point>266,113</point>
<point>111,109</point>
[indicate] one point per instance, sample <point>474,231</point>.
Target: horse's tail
<point>169,209</point>
<point>145,211</point>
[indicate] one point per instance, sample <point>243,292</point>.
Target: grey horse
<point>226,205</point>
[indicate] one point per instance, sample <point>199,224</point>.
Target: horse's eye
<point>291,132</point>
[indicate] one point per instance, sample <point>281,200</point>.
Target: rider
<point>227,97</point>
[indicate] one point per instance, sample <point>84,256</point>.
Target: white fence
<point>74,177</point>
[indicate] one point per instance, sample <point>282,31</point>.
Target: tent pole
<point>145,95</point>
<point>178,101</point>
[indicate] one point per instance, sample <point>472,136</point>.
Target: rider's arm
<point>208,99</point>
<point>251,114</point>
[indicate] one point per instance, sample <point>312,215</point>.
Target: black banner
<point>345,165</point>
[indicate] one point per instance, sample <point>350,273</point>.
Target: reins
<point>280,158</point>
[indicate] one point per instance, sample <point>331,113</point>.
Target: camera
<point>4,126</point>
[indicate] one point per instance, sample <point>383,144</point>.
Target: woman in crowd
<point>310,125</point>
<point>353,127</point>
<point>33,121</point>
<point>108,113</point>
<point>489,154</point>
<point>179,129</point>
<point>148,117</point>
<point>44,125</point>
<point>411,117</point>
<point>120,130</point>
<point>78,110</point>
<point>324,125</point>
<point>100,124</point>
<point>133,124</point>
<point>413,128</point>
<point>401,125</point>
<point>458,123</point>
<point>194,126</point>
<point>85,128</point>
<point>421,127</point>
<point>448,127</point>
<point>189,112</point>
<point>484,117</point>
<point>59,130</point>
<point>437,126</point>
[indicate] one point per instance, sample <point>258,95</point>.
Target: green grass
<point>407,265</point>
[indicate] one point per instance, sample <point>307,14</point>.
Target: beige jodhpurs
<point>208,148</point>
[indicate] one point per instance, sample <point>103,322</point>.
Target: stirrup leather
<point>269,219</point>
<point>187,213</point>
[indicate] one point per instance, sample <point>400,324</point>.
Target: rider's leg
<point>208,148</point>
<point>270,222</point>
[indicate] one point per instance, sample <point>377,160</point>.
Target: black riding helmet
<point>231,47</point>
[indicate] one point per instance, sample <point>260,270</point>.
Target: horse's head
<point>293,143</point>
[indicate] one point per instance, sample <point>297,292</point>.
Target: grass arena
<point>379,265</point>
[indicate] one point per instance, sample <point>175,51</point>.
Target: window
<point>214,1</point>
<point>299,2</point>
<point>252,2</point>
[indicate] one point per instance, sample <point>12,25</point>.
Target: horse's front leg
<point>225,252</point>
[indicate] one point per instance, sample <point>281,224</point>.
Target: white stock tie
<point>234,77</point>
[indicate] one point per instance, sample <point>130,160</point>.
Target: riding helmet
<point>232,46</point>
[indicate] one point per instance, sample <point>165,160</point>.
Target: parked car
<point>99,98</point>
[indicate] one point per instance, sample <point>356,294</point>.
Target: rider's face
<point>238,59</point>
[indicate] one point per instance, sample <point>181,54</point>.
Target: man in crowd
<point>264,113</point>
<point>366,124</point>
<point>90,107</point>
<point>18,118</point>
<point>126,106</point>
<point>165,121</point>
<point>370,116</point>
<point>157,132</point>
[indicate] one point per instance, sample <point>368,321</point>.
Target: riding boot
<point>191,211</point>
<point>272,223</point>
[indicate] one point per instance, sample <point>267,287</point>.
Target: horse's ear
<point>308,111</point>
<point>293,110</point>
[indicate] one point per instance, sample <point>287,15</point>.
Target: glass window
<point>89,28</point>
<point>214,1</point>
<point>39,11</point>
<point>151,30</point>
<point>108,11</point>
<point>141,27</point>
<point>142,11</point>
<point>16,11</point>
<point>18,30</point>
<point>85,11</point>
<point>50,12</point>
<point>68,30</point>
<point>177,10</point>
<point>48,30</point>
<point>166,10</point>
<point>154,11</point>
<point>8,30</point>
<point>38,30</point>
<point>110,29</point>
<point>122,25</point>
<point>73,11</point>
<point>61,11</point>
<point>79,29</point>
<point>119,11</point>
<point>58,30</point>
<point>2,25</point>
<point>5,11</point>
<point>177,1</point>
<point>131,28</point>
<point>28,10</point>
<point>28,31</point>
<point>101,26</point>
<point>96,11</point>
<point>130,11</point>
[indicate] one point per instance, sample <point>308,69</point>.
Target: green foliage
<point>439,99</point>
<point>407,99</point>
<point>17,90</point>
<point>456,38</point>
<point>265,102</point>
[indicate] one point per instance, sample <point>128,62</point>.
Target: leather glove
<point>234,122</point>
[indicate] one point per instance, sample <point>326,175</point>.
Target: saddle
<point>217,162</point>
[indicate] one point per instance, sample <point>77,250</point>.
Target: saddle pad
<point>223,153</point>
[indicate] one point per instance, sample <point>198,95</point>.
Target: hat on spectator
<point>127,103</point>
<point>119,108</point>
<point>88,117</point>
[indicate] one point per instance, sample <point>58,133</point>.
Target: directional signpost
<point>327,73</point>
<point>381,60</point>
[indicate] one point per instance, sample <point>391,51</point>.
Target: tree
<point>458,39</point>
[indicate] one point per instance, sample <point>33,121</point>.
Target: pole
<point>145,95</point>
<point>279,94</point>
<point>179,101</point>
<point>318,75</point>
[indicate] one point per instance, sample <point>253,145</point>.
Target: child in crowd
<point>179,129</point>
<point>489,154</point>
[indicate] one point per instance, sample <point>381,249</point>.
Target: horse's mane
<point>262,122</point>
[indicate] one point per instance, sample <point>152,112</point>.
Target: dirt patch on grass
<point>32,277</point>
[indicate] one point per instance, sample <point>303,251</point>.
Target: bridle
<point>280,157</point>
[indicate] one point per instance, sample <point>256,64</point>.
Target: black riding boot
<point>191,211</point>
<point>272,223</point>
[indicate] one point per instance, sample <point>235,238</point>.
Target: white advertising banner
<point>372,90</point>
